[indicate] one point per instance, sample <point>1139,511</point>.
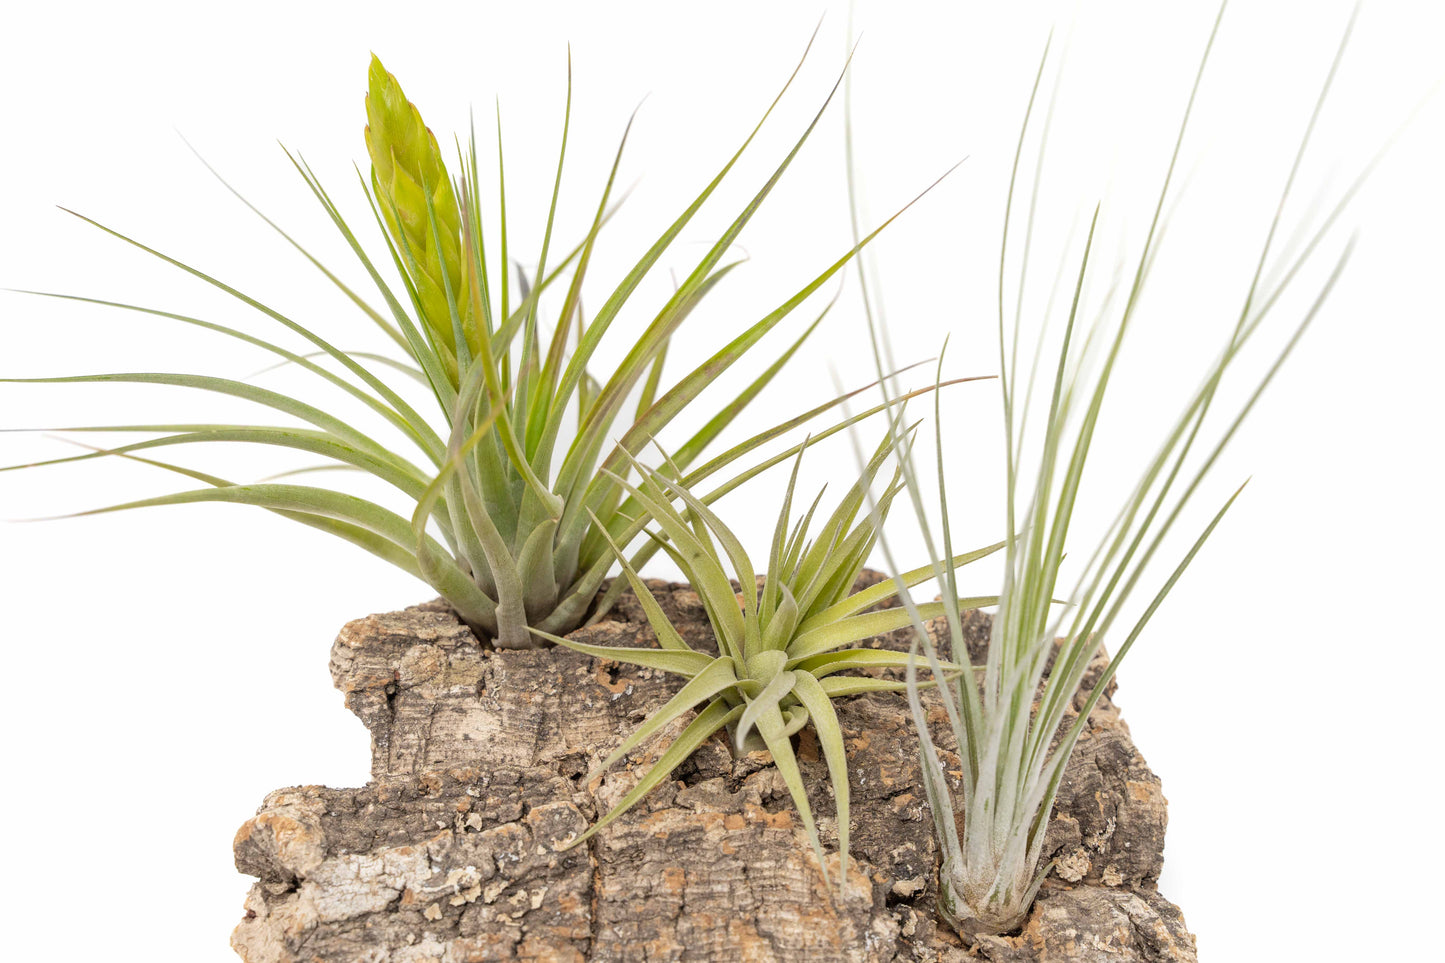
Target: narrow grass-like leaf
<point>710,720</point>
<point>716,678</point>
<point>686,664</point>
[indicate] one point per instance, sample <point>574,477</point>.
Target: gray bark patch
<point>456,850</point>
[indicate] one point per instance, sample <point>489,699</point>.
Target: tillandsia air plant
<point>520,494</point>
<point>1016,724</point>
<point>782,639</point>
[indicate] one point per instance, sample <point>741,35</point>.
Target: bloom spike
<point>407,171</point>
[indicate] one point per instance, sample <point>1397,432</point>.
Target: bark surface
<point>456,851</point>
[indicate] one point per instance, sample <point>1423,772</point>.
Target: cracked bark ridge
<point>456,851</point>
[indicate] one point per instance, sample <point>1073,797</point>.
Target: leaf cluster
<point>527,485</point>
<point>1017,724</point>
<point>518,493</point>
<point>784,637</point>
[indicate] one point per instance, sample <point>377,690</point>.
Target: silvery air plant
<point>1016,719</point>
<point>520,493</point>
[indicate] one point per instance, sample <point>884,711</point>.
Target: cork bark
<point>456,851</point>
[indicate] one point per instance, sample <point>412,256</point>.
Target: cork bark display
<point>456,850</point>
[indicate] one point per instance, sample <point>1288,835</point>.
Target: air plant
<point>1016,724</point>
<point>783,640</point>
<point>519,496</point>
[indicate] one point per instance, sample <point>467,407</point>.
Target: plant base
<point>970,926</point>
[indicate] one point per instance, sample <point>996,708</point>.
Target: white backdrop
<point>168,667</point>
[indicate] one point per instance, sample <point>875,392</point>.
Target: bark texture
<point>456,849</point>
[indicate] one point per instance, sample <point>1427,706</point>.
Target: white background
<point>167,668</point>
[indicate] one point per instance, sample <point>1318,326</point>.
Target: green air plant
<point>782,640</point>
<point>1017,723</point>
<point>519,493</point>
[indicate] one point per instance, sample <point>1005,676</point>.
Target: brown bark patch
<point>457,849</point>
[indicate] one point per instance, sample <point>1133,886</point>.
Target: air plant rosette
<point>1017,722</point>
<point>784,640</point>
<point>521,489</point>
<point>537,477</point>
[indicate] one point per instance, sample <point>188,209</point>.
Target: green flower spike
<point>420,209</point>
